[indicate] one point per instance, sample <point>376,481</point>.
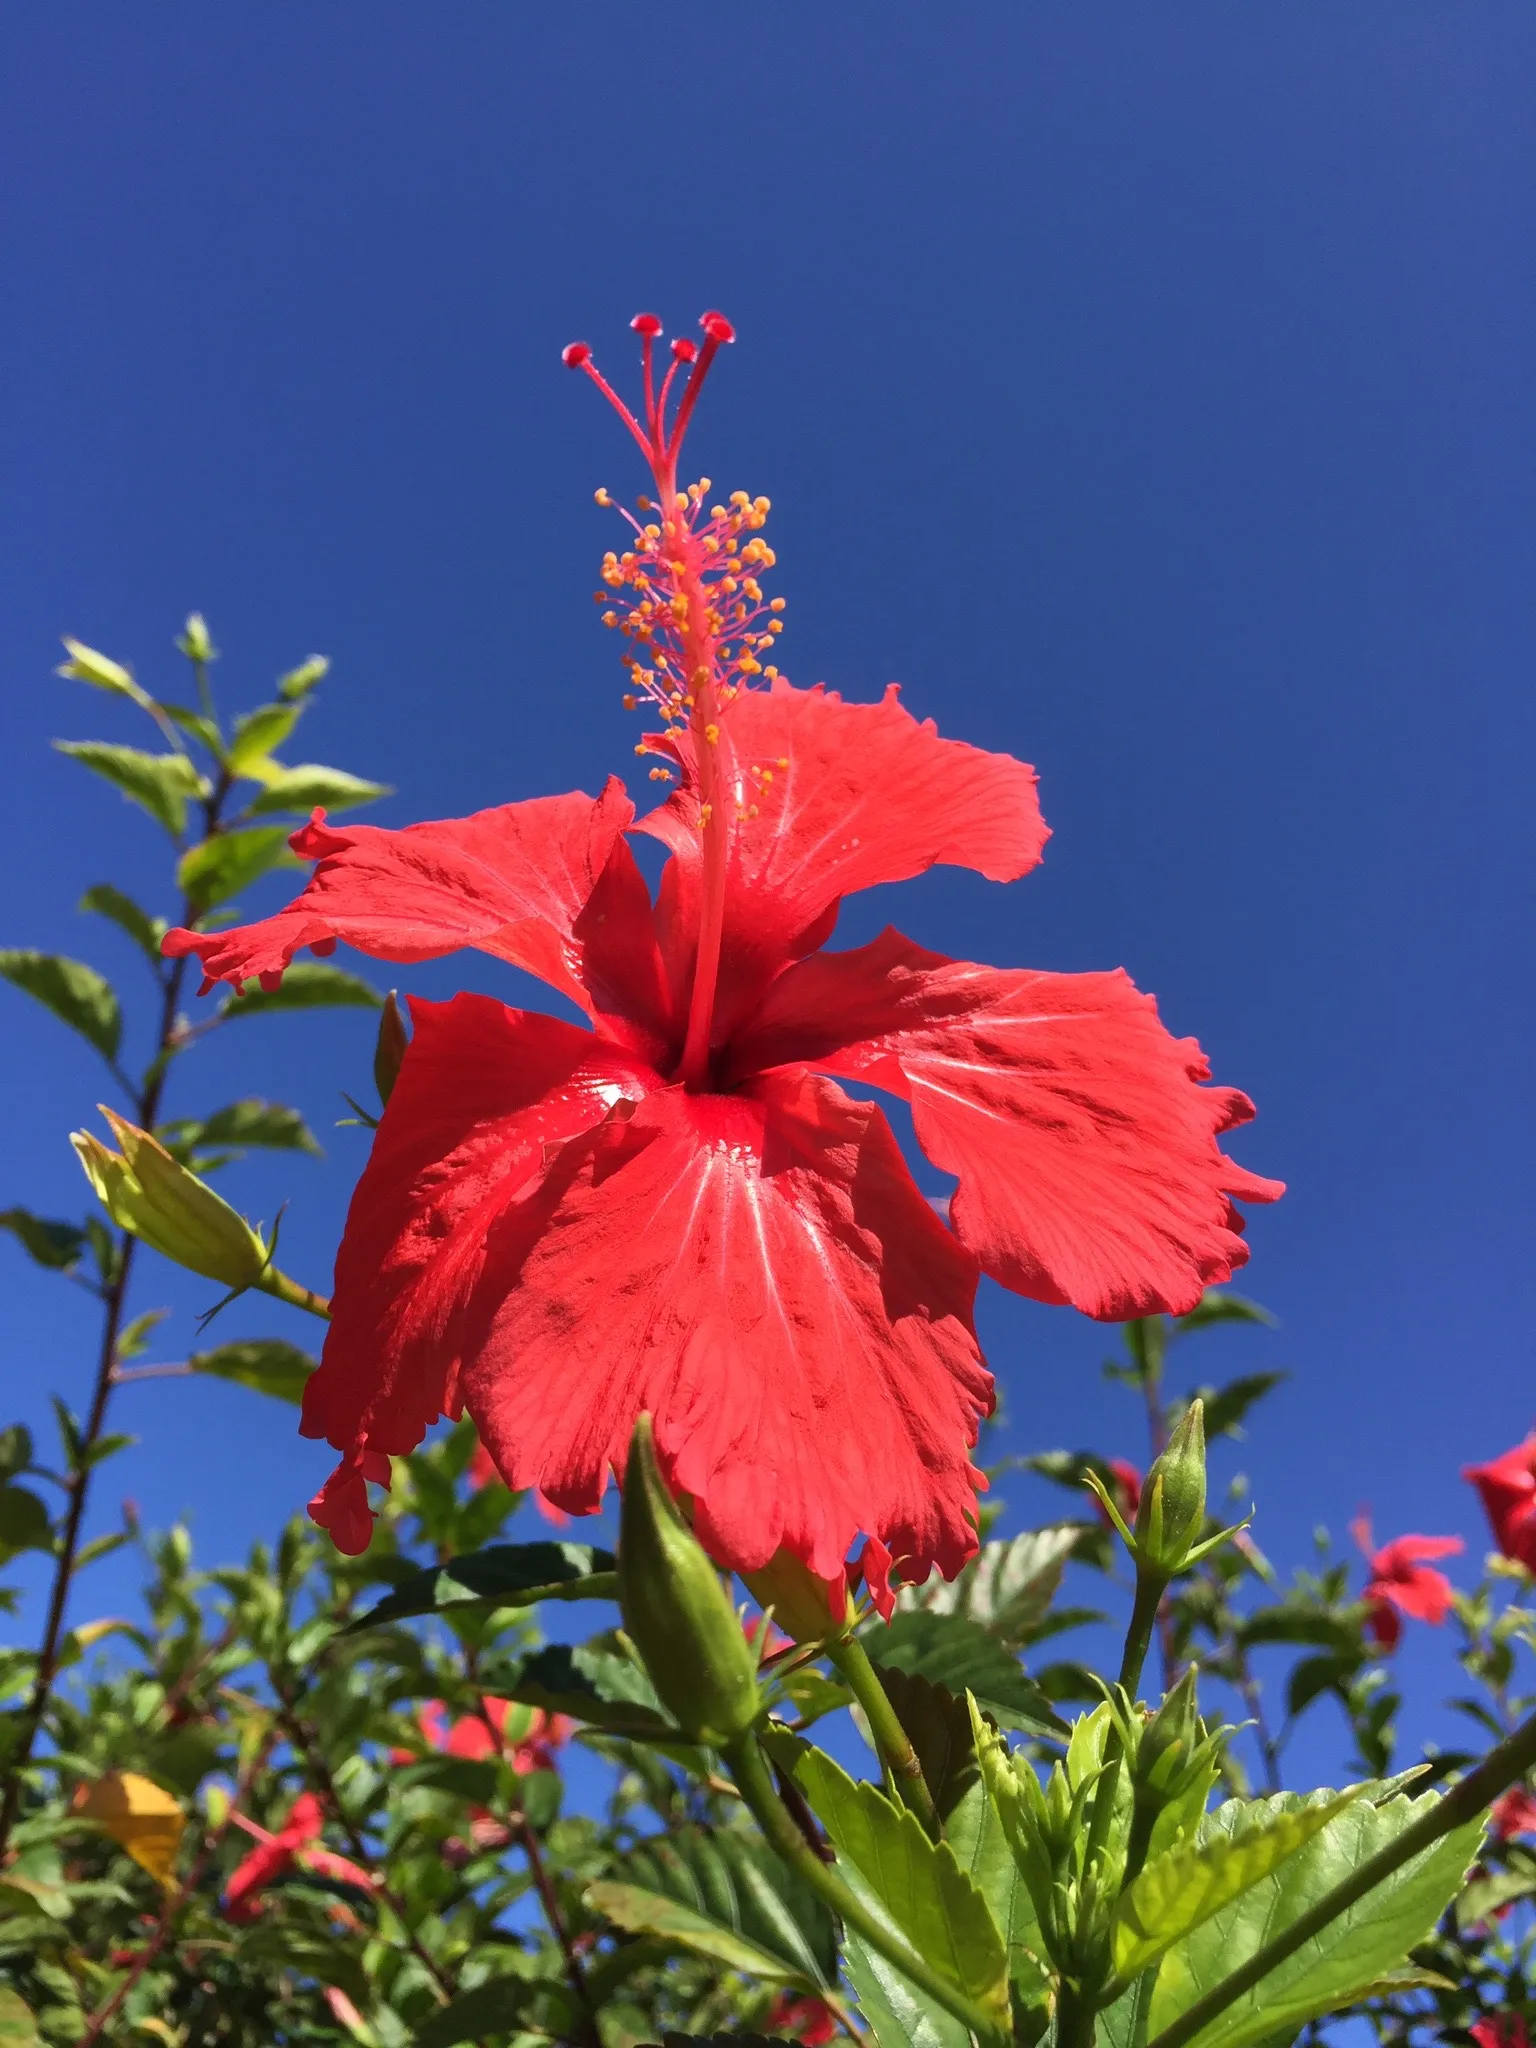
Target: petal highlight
<point>485,1096</point>
<point>1085,1149</point>
<point>759,1272</point>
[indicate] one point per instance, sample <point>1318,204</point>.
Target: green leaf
<point>306,985</point>
<point>1221,1305</point>
<point>15,1449</point>
<point>1226,1406</point>
<point>480,1780</point>
<point>939,1728</point>
<point>55,1245</point>
<point>1007,1587</point>
<point>505,1575</point>
<point>219,868</point>
<point>200,726</point>
<point>77,995</point>
<point>725,1896</point>
<point>25,1523</point>
<point>1300,1625</point>
<point>18,2029</point>
<point>145,931</point>
<point>964,1656</point>
<point>1180,1890</point>
<point>258,732</point>
<point>158,783</point>
<point>975,1832</point>
<point>265,1364</point>
<point>247,1122</point>
<point>916,1885</point>
<point>302,787</point>
<point>899,2015</point>
<point>1364,1944</point>
<point>492,2008</point>
<point>597,1685</point>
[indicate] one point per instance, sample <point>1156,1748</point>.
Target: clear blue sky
<point>1148,390</point>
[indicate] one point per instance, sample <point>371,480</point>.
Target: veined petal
<point>512,881</point>
<point>760,1272</point>
<point>484,1098</point>
<point>1085,1149</point>
<point>830,797</point>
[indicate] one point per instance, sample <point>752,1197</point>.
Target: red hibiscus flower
<point>1500,2030</point>
<point>1401,1581</point>
<point>529,1744</point>
<point>481,1470</point>
<point>803,2018</point>
<point>1508,1489</point>
<point>295,1846</point>
<point>1512,1813</point>
<point>679,1209</point>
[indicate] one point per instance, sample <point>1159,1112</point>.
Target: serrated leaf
<point>267,1365</point>
<point>158,783</point>
<point>251,1121</point>
<point>306,985</point>
<point>1007,1587</point>
<point>898,2014</point>
<point>52,1244</point>
<point>504,1575</point>
<point>962,1655</point>
<point>258,732</point>
<point>492,2008</point>
<point>917,1885</point>
<point>938,1725</point>
<point>308,784</point>
<point>145,931</point>
<point>736,1883</point>
<point>975,1832</point>
<point>1180,1890</point>
<point>643,1912</point>
<point>25,1523</point>
<point>77,995</point>
<point>1353,1951</point>
<point>219,868</point>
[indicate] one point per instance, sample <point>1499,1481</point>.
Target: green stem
<point>744,1759</point>
<point>1499,1769</point>
<point>1150,1587</point>
<point>890,1738</point>
<point>283,1289</point>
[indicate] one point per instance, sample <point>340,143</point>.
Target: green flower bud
<point>1169,1739</point>
<point>676,1610</point>
<point>154,1196</point>
<point>389,1048</point>
<point>1172,1511</point>
<point>194,642</point>
<point>301,680</point>
<point>85,665</point>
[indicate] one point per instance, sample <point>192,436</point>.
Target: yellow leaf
<point>139,1817</point>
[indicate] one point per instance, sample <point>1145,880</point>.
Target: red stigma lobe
<point>576,355</point>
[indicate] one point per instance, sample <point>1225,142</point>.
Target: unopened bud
<point>805,1607</point>
<point>85,665</point>
<point>301,680</point>
<point>1169,1739</point>
<point>389,1048</point>
<point>167,1207</point>
<point>194,642</point>
<point>676,1610</point>
<point>1172,1511</point>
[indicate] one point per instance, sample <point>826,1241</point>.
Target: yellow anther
<point>751,810</point>
<point>680,502</point>
<point>661,775</point>
<point>783,760</point>
<point>642,748</point>
<point>763,505</point>
<point>740,498</point>
<point>653,532</point>
<point>749,666</point>
<point>706,812</point>
<point>601,497</point>
<point>630,701</point>
<point>712,735</point>
<point>644,504</point>
<point>774,626</point>
<point>776,604</point>
<point>767,775</point>
<point>610,618</point>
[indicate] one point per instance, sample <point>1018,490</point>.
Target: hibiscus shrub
<point>350,1790</point>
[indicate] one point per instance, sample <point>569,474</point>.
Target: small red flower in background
<point>481,1470</point>
<point>805,2018</point>
<point>680,1210</point>
<point>1500,2030</point>
<point>1508,1489</point>
<point>1401,1581</point>
<point>1512,1813</point>
<point>531,1744</point>
<point>295,1846</point>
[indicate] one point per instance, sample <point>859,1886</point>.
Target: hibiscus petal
<point>483,1094</point>
<point>860,794</point>
<point>759,1272</point>
<point>512,882</point>
<point>1085,1150</point>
